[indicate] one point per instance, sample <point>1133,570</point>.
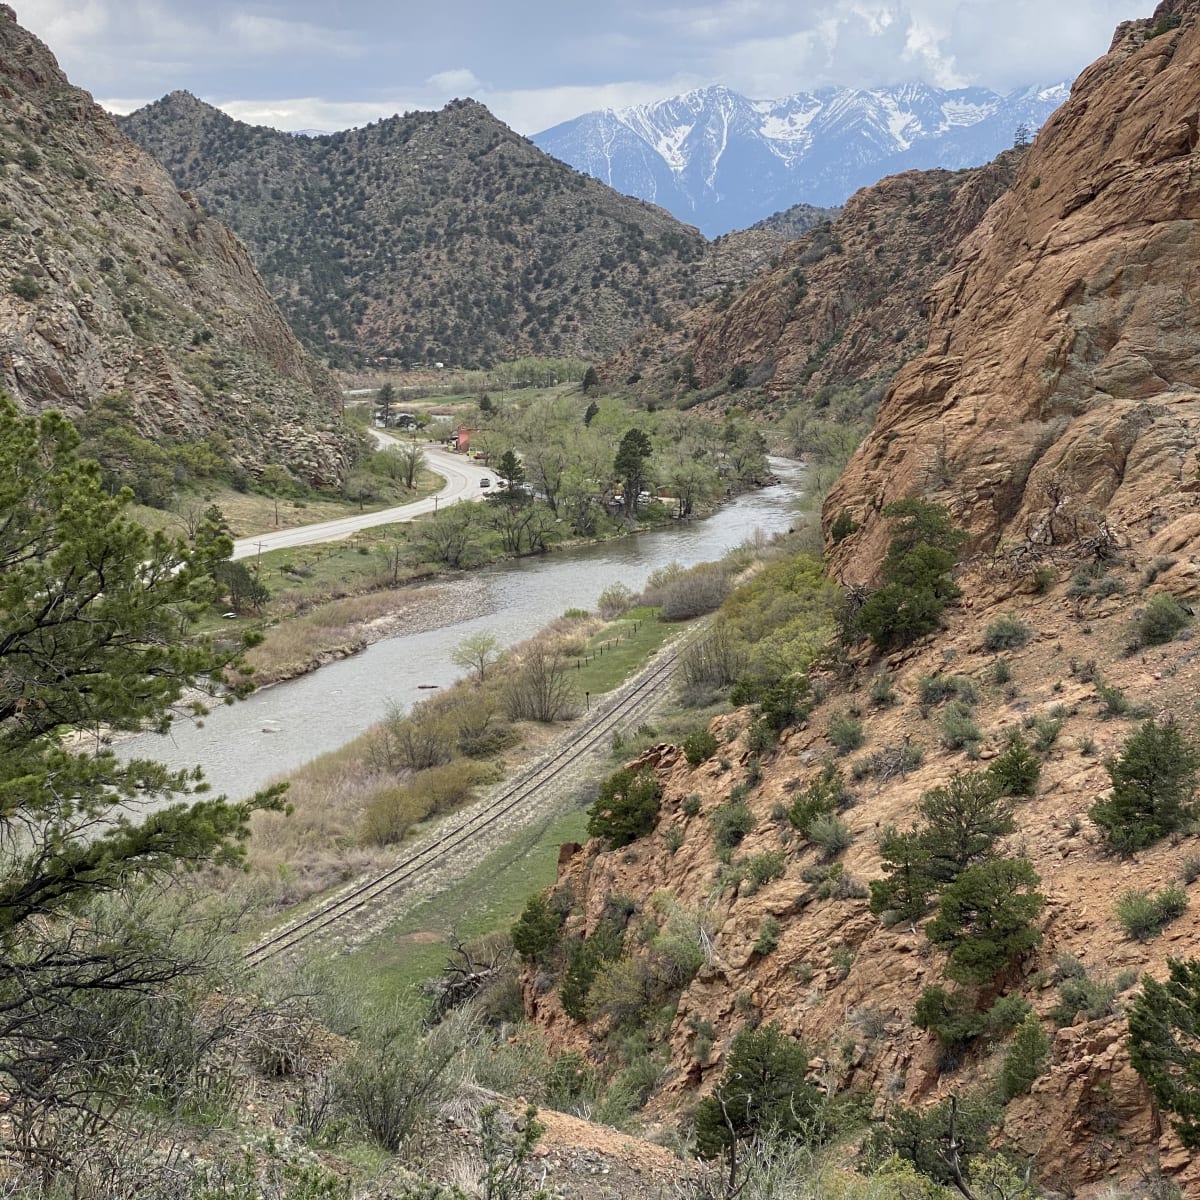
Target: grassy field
<point>249,513</point>
<point>491,897</point>
<point>621,648</point>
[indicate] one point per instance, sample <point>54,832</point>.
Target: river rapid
<point>244,746</point>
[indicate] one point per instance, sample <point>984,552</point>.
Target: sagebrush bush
<point>1143,915</point>
<point>1159,622</point>
<point>846,733</point>
<point>934,689</point>
<point>959,730</point>
<point>831,834</point>
<point>1006,633</point>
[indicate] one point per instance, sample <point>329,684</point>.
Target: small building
<point>462,439</point>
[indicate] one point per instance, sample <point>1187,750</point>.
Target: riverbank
<point>335,599</point>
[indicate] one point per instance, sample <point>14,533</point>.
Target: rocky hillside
<point>1055,413</point>
<point>842,304</point>
<point>1061,386</point>
<point>436,236</point>
<point>112,284</point>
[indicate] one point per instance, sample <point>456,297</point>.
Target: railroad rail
<point>628,703</point>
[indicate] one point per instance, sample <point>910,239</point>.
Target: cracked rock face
<point>1061,383</point>
<point>111,281</point>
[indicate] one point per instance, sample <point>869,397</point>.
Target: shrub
<point>1026,1059</point>
<point>1189,868</point>
<point>934,689</point>
<point>1046,727</point>
<point>615,600</point>
<point>1153,781</point>
<point>1079,994</point>
<point>882,693</point>
<point>959,730</point>
<point>25,286</point>
<point>954,1020</point>
<point>397,1076</point>
<point>536,932</point>
<point>1043,579</point>
<point>831,834</point>
<point>918,1136</point>
<point>691,805</point>
<point>1142,916</point>
<point>1161,619</point>
<point>731,822</point>
<point>627,807</point>
<point>763,868</point>
<point>1016,771</point>
<point>843,526</point>
<point>846,733</point>
<point>673,839</point>
<point>1006,633</point>
<point>768,937</point>
<point>699,746</point>
<point>824,794</point>
<point>1093,580</point>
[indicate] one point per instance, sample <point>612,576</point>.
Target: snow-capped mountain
<point>721,161</point>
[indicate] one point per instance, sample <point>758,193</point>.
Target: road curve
<point>462,483</point>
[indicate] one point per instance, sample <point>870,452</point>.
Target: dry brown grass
<point>316,845</point>
<point>299,644</point>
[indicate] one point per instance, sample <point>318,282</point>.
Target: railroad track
<point>627,705</point>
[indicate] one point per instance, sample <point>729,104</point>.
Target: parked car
<point>485,482</point>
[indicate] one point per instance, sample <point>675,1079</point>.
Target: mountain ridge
<point>723,161</point>
<point>115,287</point>
<point>433,236</point>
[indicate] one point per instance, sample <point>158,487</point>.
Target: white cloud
<point>459,80</point>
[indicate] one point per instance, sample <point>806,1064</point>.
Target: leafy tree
<point>242,587</point>
<point>276,481</point>
<point>985,919</point>
<point>411,458</point>
<point>630,465</point>
<point>93,617</point>
<point>627,807</point>
<point>478,653</point>
<point>1164,1044</point>
<point>1153,781</point>
<point>942,1142</point>
<point>763,1089</point>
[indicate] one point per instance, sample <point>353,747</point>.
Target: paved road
<point>462,483</point>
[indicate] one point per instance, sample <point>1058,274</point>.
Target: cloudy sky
<point>330,64</point>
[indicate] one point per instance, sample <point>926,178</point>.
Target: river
<point>322,711</point>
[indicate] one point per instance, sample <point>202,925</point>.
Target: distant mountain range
<point>721,161</point>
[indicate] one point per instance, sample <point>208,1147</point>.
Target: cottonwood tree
<point>96,620</point>
<point>477,653</point>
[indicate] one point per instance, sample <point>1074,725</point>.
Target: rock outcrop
<point>111,281</point>
<point>842,304</point>
<point>1060,389</point>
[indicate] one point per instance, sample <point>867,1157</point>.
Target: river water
<point>322,711</point>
